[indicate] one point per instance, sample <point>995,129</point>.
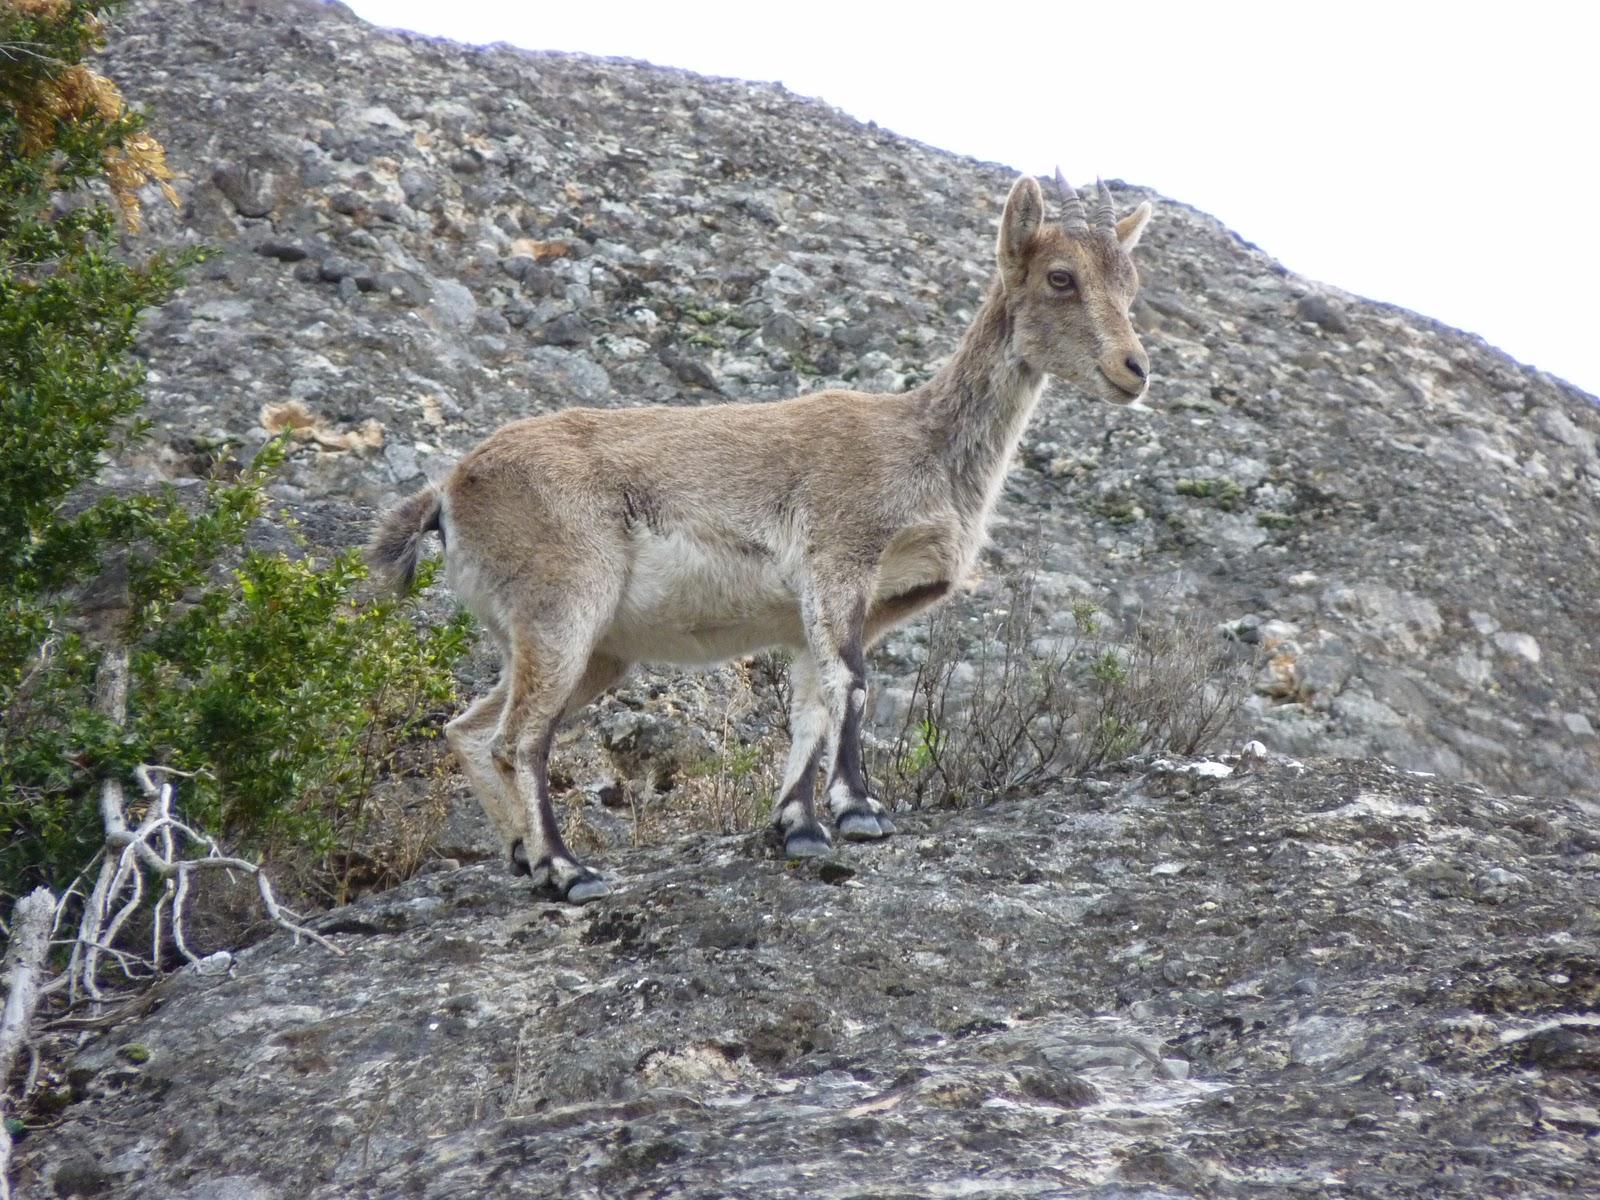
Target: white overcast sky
<point>1442,156</point>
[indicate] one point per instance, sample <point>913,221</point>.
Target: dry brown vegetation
<point>731,789</point>
<point>1032,708</point>
<point>74,95</point>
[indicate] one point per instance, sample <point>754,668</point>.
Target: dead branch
<point>30,938</point>
<point>161,847</point>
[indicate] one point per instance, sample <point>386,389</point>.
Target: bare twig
<point>30,937</point>
<point>156,849</point>
<point>26,50</point>
<point>1031,709</point>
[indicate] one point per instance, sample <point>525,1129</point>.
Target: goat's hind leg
<point>471,736</point>
<point>545,683</point>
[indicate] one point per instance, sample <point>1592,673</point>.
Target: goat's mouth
<point>1113,391</point>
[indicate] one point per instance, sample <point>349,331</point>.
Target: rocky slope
<point>419,241</point>
<point>1331,979</point>
<point>1344,978</point>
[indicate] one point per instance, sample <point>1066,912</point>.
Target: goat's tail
<point>397,542</point>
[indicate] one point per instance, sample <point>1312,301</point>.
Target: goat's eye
<point>1062,281</point>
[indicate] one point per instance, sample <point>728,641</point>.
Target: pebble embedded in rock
<point>288,252</point>
<point>783,332</point>
<point>255,184</point>
<point>1323,311</point>
<point>1521,645</point>
<point>689,370</point>
<point>567,330</point>
<point>420,190</point>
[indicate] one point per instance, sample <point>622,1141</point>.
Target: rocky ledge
<point>1190,979</point>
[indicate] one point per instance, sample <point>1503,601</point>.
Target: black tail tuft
<point>397,542</point>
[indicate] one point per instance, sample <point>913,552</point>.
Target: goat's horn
<point>1071,207</point>
<point>1105,212</point>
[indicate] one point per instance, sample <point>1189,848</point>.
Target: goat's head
<point>1069,286</point>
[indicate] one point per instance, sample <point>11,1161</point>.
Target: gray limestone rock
<point>1308,972</point>
<point>569,329</point>
<point>256,184</point>
<point>1323,311</point>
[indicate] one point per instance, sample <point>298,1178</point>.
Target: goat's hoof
<point>808,841</point>
<point>586,887</point>
<point>860,825</point>
<point>559,878</point>
<point>568,883</point>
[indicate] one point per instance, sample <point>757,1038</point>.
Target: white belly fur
<point>695,604</point>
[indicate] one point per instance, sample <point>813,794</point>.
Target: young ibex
<point>589,540</point>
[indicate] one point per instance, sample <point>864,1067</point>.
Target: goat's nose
<point>1127,369</point>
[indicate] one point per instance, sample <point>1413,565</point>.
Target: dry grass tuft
<point>731,790</point>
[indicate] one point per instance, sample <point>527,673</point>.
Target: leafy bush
<point>264,676</point>
<point>286,698</point>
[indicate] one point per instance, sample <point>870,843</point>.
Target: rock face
<point>1331,979</point>
<point>1344,978</point>
<point>439,239</point>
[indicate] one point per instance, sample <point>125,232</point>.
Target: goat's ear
<point>1131,228</point>
<point>1018,225</point>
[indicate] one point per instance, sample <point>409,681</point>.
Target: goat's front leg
<point>836,632</point>
<point>795,816</point>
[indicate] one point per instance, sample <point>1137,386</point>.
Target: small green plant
<point>922,751</point>
<point>706,316</point>
<point>737,764</point>
<point>732,789</point>
<point>1227,494</point>
<point>1115,738</point>
<point>730,792</point>
<point>1120,508</point>
<point>1085,617</point>
<point>1108,669</point>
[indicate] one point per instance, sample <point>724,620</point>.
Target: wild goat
<point>588,540</point>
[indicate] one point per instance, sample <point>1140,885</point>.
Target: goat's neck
<point>979,403</point>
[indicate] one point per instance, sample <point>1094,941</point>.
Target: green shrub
<point>264,676</point>
<point>286,697</point>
